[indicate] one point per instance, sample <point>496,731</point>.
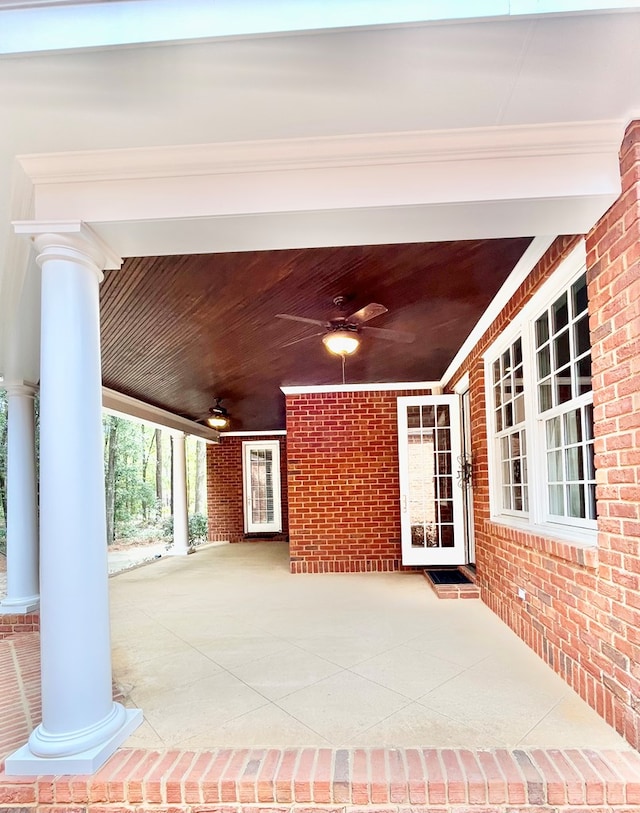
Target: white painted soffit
<point>31,26</point>
<point>380,188</point>
<point>119,404</point>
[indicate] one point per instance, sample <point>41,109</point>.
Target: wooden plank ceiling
<point>179,331</point>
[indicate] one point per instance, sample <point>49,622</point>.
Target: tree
<point>200,477</point>
<point>110,476</point>
<point>3,465</point>
<point>158,439</point>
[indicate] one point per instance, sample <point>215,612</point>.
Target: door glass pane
<point>430,481</point>
<point>428,416</point>
<point>262,502</point>
<point>413,417</point>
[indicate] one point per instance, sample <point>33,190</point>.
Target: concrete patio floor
<point>226,649</point>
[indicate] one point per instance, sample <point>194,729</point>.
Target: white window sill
<point>580,548</point>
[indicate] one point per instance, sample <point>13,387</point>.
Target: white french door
<point>431,505</point>
<point>261,486</point>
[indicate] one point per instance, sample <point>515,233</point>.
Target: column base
<point>23,763</point>
<point>19,606</point>
<point>179,551</point>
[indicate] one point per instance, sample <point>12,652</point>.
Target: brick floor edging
<point>309,780</point>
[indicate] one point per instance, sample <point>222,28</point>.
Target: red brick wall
<point>582,612</point>
<point>224,487</point>
<point>613,262</point>
<point>14,624</point>
<point>344,510</point>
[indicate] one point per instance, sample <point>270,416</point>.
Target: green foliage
<point>198,528</point>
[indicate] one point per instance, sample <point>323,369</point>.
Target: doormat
<point>446,575</point>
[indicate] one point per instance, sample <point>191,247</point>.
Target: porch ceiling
<point>177,331</point>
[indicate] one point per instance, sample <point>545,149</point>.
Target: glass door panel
<point>431,502</point>
<point>261,477</point>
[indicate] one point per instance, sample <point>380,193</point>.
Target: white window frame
<point>572,529</point>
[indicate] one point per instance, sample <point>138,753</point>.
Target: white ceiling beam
<point>32,26</point>
<point>119,404</point>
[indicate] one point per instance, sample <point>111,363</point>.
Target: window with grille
<point>565,403</point>
<point>540,410</point>
<point>511,435</point>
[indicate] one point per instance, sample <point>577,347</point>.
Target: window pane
<point>544,396</point>
<point>515,444</point>
<point>508,415</point>
<point>554,466</point>
<point>497,394</point>
<point>506,362</point>
<point>575,500</point>
<point>581,338</point>
<point>506,498</point>
<point>591,470</point>
<point>518,405</point>
<point>517,352</point>
<point>573,426</point>
<point>499,426</point>
<point>554,437</point>
<point>413,417</point>
<point>588,421</point>
<point>559,314</point>
<point>496,372</point>
<point>575,469</point>
<point>561,354</point>
<point>542,330</point>
<point>562,387</point>
<point>556,502</point>
<point>544,362</point>
<point>582,374</point>
<point>517,498</point>
<point>579,295</point>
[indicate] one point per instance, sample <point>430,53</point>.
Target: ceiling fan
<point>340,333</point>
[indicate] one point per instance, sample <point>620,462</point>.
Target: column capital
<point>24,388</point>
<point>68,240</point>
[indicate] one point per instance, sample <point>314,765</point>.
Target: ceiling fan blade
<point>369,311</point>
<point>303,339</point>
<point>391,335</point>
<point>299,319</point>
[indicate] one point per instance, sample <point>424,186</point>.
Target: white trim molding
<point>386,387</point>
<point>262,433</point>
<point>523,268</point>
<point>117,403</point>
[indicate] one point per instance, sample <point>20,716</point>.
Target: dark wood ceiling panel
<point>179,331</point>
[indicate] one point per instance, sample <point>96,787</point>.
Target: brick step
<point>332,780</point>
<point>467,590</point>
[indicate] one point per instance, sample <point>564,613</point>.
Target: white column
<point>81,725</point>
<point>22,502</point>
<point>180,512</point>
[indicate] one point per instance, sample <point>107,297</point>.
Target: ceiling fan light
<point>341,342</point>
<point>218,421</point>
<point>218,416</point>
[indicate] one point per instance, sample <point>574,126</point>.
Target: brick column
<point>613,263</point>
